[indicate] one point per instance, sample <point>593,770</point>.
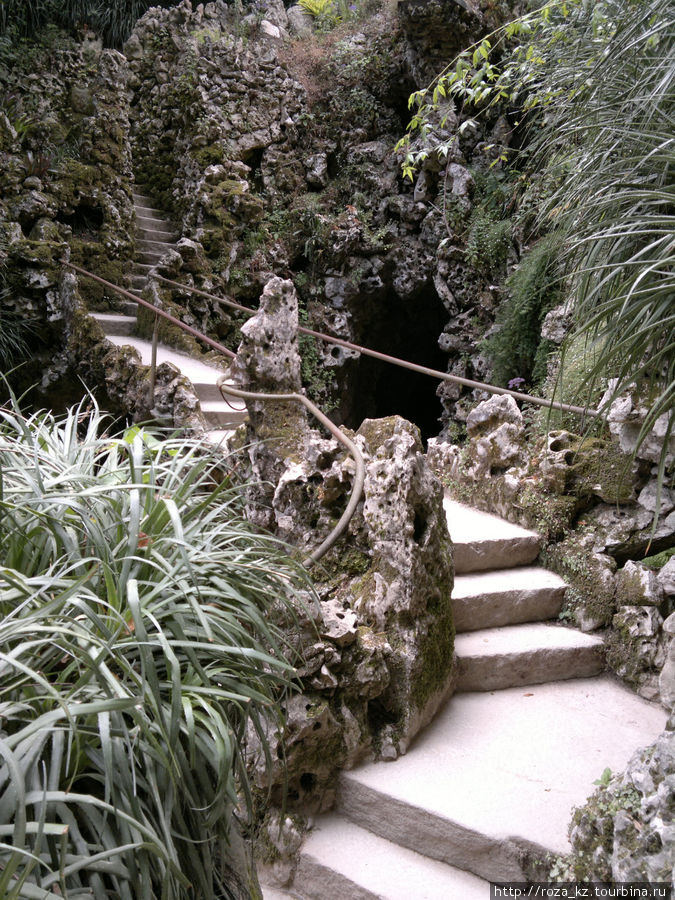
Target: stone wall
<point>276,158</point>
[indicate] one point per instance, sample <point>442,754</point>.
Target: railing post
<point>153,358</point>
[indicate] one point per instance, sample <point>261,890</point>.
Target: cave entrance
<point>408,329</point>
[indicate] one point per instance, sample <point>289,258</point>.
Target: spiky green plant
<point>136,648</point>
<point>14,330</point>
<point>113,21</point>
<point>596,81</point>
<point>614,198</point>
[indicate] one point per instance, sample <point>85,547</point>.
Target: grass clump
<point>136,650</point>
<point>516,347</point>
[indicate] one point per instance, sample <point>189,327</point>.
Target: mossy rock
<point>208,156</point>
<point>550,515</point>
<point>589,586</point>
<point>434,656</point>
<point>168,333</point>
<point>600,468</point>
<point>93,256</point>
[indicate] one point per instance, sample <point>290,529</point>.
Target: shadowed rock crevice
<point>408,329</point>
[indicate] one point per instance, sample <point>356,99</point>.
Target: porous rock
<point>497,435</point>
<point>638,585</point>
<point>626,417</point>
<point>666,577</point>
<point>626,831</point>
<point>636,651</point>
<point>667,677</point>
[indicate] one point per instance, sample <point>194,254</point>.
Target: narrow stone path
<point>492,781</point>
<point>156,236</point>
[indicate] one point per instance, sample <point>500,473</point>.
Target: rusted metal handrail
<point>357,348</point>
<point>359,475</point>
<point>160,312</point>
<point>402,363</point>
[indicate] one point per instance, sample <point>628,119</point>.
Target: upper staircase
<point>492,781</point>
<point>155,236</point>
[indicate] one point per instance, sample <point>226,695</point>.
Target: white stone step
<point>220,437</point>
<point>150,256</point>
<point>506,597</point>
<point>139,197</point>
<point>196,370</point>
<point>483,541</point>
<point>128,307</point>
<point>142,268</point>
<point>497,658</point>
<point>219,413</point>
<point>156,234</point>
<point>227,415</point>
<point>116,324</point>
<point>275,893</point>
<point>154,221</point>
<point>147,210</point>
<point>497,775</point>
<point>155,245</point>
<point>341,860</point>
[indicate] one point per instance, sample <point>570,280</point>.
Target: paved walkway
<point>494,778</point>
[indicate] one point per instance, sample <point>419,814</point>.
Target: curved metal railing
<point>226,389</point>
<point>359,475</point>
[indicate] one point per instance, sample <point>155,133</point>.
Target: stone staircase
<point>156,236</point>
<point>492,781</point>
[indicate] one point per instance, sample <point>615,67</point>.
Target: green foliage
<point>328,14</point>
<point>658,560</point>
<point>136,648</point>
<point>320,8</point>
<point>605,778</point>
<point>595,82</point>
<point>112,21</point>
<point>15,329</point>
<point>534,288</point>
<point>488,240</point>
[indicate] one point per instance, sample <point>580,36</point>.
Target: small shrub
<point>137,651</point>
<point>488,241</point>
<point>516,348</point>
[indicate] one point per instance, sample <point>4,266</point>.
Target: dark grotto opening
<point>408,329</point>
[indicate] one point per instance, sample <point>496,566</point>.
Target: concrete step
<point>155,245</point>
<point>156,234</point>
<point>115,324</point>
<point>208,392</point>
<point>483,541</point>
<point>220,437</point>
<point>275,893</point>
<point>139,197</point>
<point>506,597</point>
<point>152,224</point>
<point>224,415</point>
<point>149,211</point>
<point>497,775</point>
<point>219,413</point>
<point>126,307</point>
<point>151,257</point>
<point>497,658</point>
<point>194,369</point>
<point>142,268</point>
<point>341,860</point>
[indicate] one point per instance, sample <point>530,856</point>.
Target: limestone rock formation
<point>626,832</point>
<point>378,655</point>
